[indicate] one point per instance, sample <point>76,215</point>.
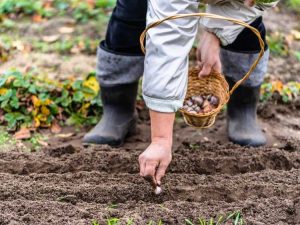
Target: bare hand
<point>154,162</point>
<point>249,3</point>
<point>208,54</point>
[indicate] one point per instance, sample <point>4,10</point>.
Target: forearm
<point>162,127</point>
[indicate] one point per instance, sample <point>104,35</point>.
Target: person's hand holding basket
<point>202,114</point>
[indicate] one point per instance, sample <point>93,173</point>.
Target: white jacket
<point>226,31</point>
<point>168,45</point>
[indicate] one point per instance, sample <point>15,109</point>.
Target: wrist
<point>164,142</point>
<point>213,36</point>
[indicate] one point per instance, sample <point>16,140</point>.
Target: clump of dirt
<point>72,185</point>
<point>68,184</point>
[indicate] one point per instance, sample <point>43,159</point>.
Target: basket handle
<point>213,16</point>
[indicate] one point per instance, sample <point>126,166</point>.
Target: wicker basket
<point>215,83</point>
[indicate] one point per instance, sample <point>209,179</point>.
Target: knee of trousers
<point>115,69</point>
<point>235,65</point>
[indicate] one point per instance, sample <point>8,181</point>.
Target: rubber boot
<point>242,118</point>
<point>119,116</point>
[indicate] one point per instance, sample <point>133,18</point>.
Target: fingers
<point>160,173</point>
<point>249,3</point>
<point>206,70</point>
<point>142,164</point>
<point>218,66</point>
<point>148,170</point>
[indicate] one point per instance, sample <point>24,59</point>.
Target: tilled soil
<point>73,185</point>
<point>67,184</point>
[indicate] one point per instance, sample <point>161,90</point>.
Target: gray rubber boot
<point>242,118</point>
<point>119,116</point>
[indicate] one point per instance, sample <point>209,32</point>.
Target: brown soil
<point>283,21</point>
<point>67,184</point>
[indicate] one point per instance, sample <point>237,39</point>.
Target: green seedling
<point>129,222</point>
<point>234,218</point>
<point>112,206</point>
<point>36,140</point>
<point>94,222</point>
<point>297,54</point>
<point>113,221</point>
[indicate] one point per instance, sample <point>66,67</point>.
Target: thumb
<point>160,173</point>
<point>206,70</point>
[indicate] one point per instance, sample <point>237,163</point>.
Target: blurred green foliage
<point>294,4</point>
<point>81,10</point>
<point>29,101</point>
<point>282,92</point>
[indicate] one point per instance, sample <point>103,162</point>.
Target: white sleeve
<point>227,31</point>
<point>167,49</point>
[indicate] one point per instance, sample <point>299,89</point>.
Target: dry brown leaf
<point>289,39</point>
<point>43,143</point>
<point>19,45</point>
<point>66,30</point>
<point>51,38</point>
<point>67,135</point>
<point>75,50</point>
<point>22,134</point>
<point>277,86</point>
<point>48,4</point>
<point>37,18</point>
<point>296,34</point>
<point>55,128</point>
<point>91,3</point>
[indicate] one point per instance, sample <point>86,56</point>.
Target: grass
<point>6,138</point>
<point>277,44</point>
<point>35,141</point>
<point>7,141</point>
<point>62,46</point>
<point>113,221</point>
<point>234,218</point>
<point>294,5</point>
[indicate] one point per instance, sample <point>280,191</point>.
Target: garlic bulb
<point>158,190</point>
